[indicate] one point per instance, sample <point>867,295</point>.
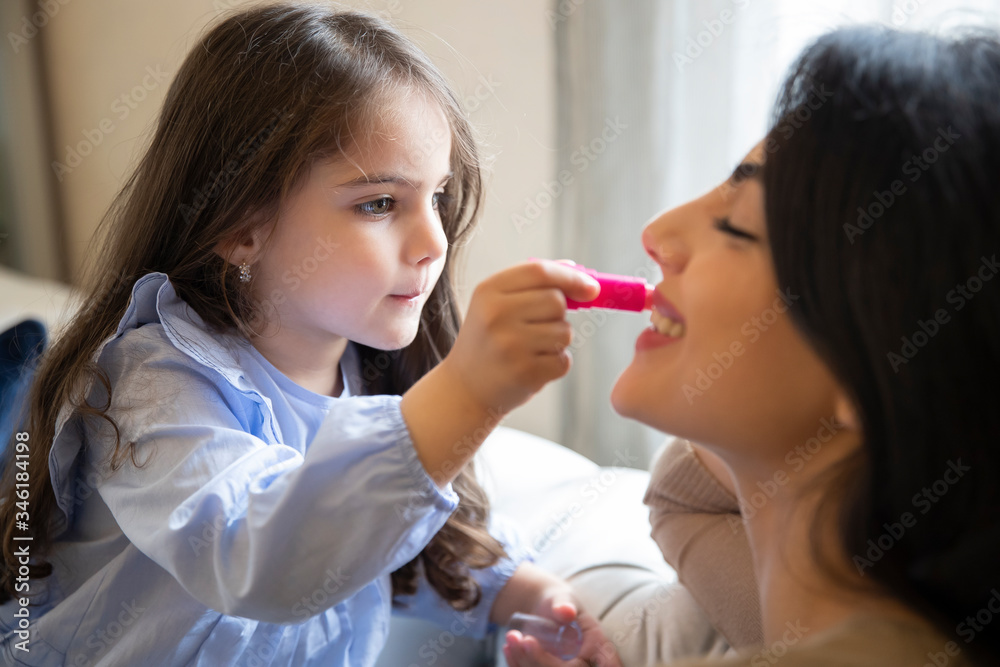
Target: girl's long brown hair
<point>264,93</point>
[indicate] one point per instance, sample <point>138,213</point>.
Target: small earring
<point>244,272</point>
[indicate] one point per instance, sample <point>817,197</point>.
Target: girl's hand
<point>515,335</point>
<point>513,341</point>
<point>522,651</point>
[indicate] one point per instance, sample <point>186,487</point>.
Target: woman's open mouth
<point>666,325</point>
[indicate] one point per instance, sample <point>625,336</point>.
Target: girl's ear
<point>247,250</point>
<point>845,413</point>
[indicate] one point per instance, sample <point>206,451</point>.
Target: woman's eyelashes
<point>725,226</point>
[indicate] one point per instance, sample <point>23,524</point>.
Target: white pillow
<point>589,525</point>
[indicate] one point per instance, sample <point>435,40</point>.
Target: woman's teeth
<point>666,326</point>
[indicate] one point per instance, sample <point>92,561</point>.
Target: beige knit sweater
<point>696,523</point>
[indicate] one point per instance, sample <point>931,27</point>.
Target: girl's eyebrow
<point>383,179</point>
<point>373,179</point>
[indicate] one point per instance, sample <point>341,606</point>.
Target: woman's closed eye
<point>725,226</point>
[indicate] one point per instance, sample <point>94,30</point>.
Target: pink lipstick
<point>617,292</point>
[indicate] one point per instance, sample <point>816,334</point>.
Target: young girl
<point>256,437</point>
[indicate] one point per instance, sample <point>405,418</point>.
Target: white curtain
<point>657,101</point>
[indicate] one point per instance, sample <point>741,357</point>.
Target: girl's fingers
<point>542,274</point>
<point>535,655</point>
<point>509,657</point>
<point>542,305</point>
<point>564,611</point>
<point>549,367</point>
<point>550,338</point>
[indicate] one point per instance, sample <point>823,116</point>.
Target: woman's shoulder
<point>862,641</point>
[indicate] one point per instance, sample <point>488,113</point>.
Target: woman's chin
<point>629,400</point>
<point>635,401</point>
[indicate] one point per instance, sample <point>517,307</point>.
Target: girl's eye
<point>726,227</point>
<point>441,200</point>
<point>376,207</point>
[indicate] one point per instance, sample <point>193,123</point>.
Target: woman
<point>840,344</point>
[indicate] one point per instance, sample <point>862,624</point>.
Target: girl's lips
<point>407,299</point>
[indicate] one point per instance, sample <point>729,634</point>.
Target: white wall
<point>103,54</point>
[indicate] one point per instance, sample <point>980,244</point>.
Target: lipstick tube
<point>617,293</point>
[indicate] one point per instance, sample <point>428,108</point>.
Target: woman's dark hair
<point>264,94</point>
<point>882,199</point>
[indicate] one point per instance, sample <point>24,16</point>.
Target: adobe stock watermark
<point>796,459</point>
<point>792,122</point>
<point>432,649</point>
<point>321,597</point>
<point>694,46</point>
<point>589,493</point>
<point>586,322</point>
<point>581,159</point>
<point>924,500</point>
<point>752,329</point>
<point>104,638</point>
<point>219,180</point>
<point>903,11</point>
<point>486,87</point>
<point>959,296</point>
<point>915,167</point>
<point>292,278</point>
<point>462,450</point>
<point>770,655</point>
<point>635,618</point>
<point>31,24</point>
<point>263,653</point>
<point>120,109</point>
<point>968,629</point>
<point>564,9</point>
<point>649,608</point>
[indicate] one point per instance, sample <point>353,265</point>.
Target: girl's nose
<point>427,242</point>
<point>663,243</point>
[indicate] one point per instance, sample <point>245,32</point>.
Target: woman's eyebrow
<point>745,170</point>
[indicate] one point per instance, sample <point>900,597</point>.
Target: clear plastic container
<point>561,640</point>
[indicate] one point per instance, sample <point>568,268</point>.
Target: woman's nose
<point>662,241</point>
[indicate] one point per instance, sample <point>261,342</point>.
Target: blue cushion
<point>20,347</point>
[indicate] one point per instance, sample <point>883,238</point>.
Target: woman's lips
<point>650,338</point>
<point>663,307</point>
<point>666,325</point>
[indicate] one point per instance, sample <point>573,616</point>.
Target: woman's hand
<point>522,651</point>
